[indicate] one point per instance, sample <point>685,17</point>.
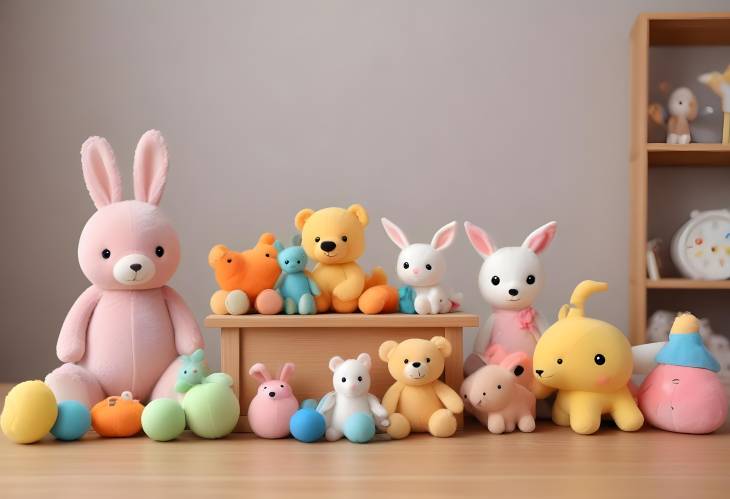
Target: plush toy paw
<point>306,305</point>
<point>422,305</point>
<point>269,302</point>
<point>218,302</point>
<point>290,307</point>
<point>237,302</point>
<point>496,424</point>
<point>442,423</point>
<point>399,426</point>
<point>333,435</point>
<point>526,424</point>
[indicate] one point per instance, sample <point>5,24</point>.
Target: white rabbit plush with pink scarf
<point>510,279</point>
<point>126,331</point>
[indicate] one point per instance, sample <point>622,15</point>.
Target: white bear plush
<point>351,381</point>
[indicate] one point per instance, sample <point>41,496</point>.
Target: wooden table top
<point>456,319</point>
<point>552,462</point>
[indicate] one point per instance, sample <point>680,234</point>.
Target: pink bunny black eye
<point>405,265</point>
<point>105,254</point>
<point>282,386</point>
<point>530,279</point>
<point>359,378</point>
<point>428,266</point>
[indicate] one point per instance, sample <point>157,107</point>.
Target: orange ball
<point>117,416</point>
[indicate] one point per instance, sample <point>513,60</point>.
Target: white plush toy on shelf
<point>682,109</point>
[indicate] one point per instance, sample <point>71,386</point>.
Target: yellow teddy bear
<point>590,363</point>
<point>335,239</point>
<point>419,401</point>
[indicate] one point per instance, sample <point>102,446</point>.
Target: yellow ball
<point>29,413</point>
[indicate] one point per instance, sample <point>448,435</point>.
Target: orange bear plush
<point>246,277</point>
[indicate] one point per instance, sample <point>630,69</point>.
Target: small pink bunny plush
<point>274,404</point>
<point>510,280</point>
<point>496,397</point>
<point>126,331</point>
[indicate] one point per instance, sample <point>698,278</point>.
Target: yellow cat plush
<point>590,363</point>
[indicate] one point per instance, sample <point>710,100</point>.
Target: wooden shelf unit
<point>660,29</point>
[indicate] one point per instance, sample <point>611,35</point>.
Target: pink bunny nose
<point>416,271</point>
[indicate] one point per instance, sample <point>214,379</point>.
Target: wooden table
<point>309,341</point>
<point>553,462</point>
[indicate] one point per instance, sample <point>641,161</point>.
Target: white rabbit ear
<point>540,239</point>
<point>150,167</point>
<point>335,362</point>
<point>444,237</point>
<point>394,233</point>
<point>365,360</point>
<point>479,239</point>
<point>100,172</point>
<point>259,372</point>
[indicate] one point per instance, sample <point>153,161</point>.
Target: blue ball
<point>73,421</point>
<point>307,425</point>
<point>360,428</point>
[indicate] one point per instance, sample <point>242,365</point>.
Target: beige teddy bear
<point>335,239</point>
<point>419,401</point>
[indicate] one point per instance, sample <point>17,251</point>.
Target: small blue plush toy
<point>307,425</point>
<point>72,422</point>
<point>294,284</point>
<point>194,371</point>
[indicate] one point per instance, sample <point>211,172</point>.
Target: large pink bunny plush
<point>510,280</point>
<point>126,331</point>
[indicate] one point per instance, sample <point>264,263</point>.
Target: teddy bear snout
<point>328,246</point>
<point>133,269</point>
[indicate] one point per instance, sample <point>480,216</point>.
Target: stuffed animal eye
<point>298,262</point>
<point>359,378</point>
<point>599,359</point>
<point>530,279</point>
<point>267,255</point>
<point>281,386</point>
<point>559,361</point>
<point>229,260</point>
<point>405,265</point>
<point>428,266</point>
<point>344,239</point>
<point>499,387</point>
<point>105,253</point>
<point>495,280</point>
<point>286,262</point>
<point>266,388</point>
<point>344,379</point>
<point>316,239</point>
<point>159,251</point>
<point>405,361</point>
<point>185,371</point>
<point>428,359</point>
<point>195,371</point>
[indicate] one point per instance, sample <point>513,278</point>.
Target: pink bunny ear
<point>100,172</point>
<point>540,239</point>
<point>394,233</point>
<point>479,239</point>
<point>517,363</point>
<point>259,372</point>
<point>150,167</point>
<point>444,237</point>
<point>287,371</point>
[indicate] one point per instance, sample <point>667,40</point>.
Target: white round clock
<point>701,247</point>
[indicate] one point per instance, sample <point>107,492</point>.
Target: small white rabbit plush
<point>422,267</point>
<point>351,381</point>
<point>510,279</point>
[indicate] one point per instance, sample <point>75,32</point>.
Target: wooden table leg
<point>454,368</point>
<point>231,359</point>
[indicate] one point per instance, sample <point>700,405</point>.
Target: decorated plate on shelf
<point>701,247</point>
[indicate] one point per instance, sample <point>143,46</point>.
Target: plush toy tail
<point>382,299</point>
<point>578,299</point>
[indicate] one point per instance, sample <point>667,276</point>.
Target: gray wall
<point>507,113</point>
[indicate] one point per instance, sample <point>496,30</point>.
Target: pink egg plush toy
<point>273,406</point>
<point>683,393</point>
<point>126,331</point>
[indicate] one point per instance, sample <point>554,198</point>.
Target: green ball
<point>163,420</point>
<point>212,410</point>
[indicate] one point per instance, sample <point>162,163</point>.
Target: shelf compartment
<point>689,29</point>
<point>688,154</point>
<point>680,283</point>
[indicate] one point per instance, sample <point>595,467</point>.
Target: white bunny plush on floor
<point>345,407</point>
<point>510,280</point>
<point>423,266</point>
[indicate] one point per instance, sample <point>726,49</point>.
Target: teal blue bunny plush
<point>295,284</point>
<point>194,371</point>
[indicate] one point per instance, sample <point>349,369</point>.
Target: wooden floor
<point>552,462</point>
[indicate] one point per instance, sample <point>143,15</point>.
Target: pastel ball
<point>163,420</point>
<point>359,428</point>
<point>307,425</point>
<point>29,413</point>
<point>212,410</point>
<point>73,421</point>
